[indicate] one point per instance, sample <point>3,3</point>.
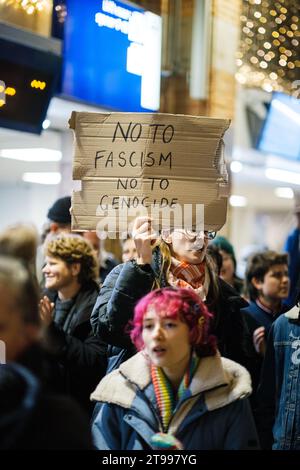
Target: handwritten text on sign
<point>132,132</point>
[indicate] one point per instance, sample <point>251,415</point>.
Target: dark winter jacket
<point>81,355</point>
<point>212,414</point>
<point>129,282</point>
<point>292,247</point>
<point>256,317</point>
<point>33,419</point>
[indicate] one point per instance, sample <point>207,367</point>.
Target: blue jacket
<point>212,414</point>
<point>256,317</point>
<point>292,247</point>
<point>279,391</point>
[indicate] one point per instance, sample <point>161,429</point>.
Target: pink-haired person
<point>177,392</point>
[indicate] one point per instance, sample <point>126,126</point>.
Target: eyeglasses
<point>209,235</point>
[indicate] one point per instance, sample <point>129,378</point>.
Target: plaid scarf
<point>192,276</point>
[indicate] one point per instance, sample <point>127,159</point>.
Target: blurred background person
<point>59,221</point>
<point>20,241</point>
<point>19,316</point>
<point>228,269</point>
<point>128,250</point>
<point>106,260</point>
<point>214,253</point>
<point>59,215</point>
<point>32,414</point>
<point>267,284</point>
<point>292,247</point>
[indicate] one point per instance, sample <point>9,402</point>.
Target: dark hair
<point>258,266</point>
<point>216,257</point>
<point>223,244</point>
<point>22,287</point>
<point>184,304</point>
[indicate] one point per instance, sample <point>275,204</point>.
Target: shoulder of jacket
<point>292,314</point>
<point>238,386</point>
<point>114,388</point>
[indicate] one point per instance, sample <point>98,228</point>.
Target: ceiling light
<point>42,178</point>
<point>46,124</point>
<point>32,154</point>
<point>286,193</point>
<point>238,201</point>
<point>236,167</point>
<point>282,175</point>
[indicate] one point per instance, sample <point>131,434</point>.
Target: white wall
<point>25,203</point>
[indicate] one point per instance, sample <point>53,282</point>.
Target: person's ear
<point>257,283</point>
<point>166,236</point>
<point>75,269</point>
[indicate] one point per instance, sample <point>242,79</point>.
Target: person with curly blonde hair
<point>71,272</point>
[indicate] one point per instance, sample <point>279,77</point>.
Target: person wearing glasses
<point>175,258</point>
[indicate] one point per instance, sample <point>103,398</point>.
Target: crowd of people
<point>169,349</point>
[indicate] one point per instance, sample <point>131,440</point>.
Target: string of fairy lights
<point>29,6</point>
<point>269,52</point>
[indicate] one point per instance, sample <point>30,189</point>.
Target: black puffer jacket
<point>81,355</point>
<point>129,282</point>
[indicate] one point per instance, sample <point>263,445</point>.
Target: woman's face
<point>166,340</point>
<point>129,250</point>
<point>227,269</point>
<point>57,273</point>
<point>188,246</point>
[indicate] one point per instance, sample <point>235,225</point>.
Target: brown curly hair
<point>75,249</point>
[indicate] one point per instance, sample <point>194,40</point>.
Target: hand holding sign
<point>143,235</point>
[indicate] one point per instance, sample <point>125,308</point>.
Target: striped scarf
<point>165,397</point>
<point>193,276</point>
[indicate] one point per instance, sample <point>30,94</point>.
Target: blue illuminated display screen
<point>112,53</point>
<point>281,131</point>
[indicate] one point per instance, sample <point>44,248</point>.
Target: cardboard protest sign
<point>159,163</point>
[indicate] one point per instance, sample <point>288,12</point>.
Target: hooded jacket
<point>212,414</point>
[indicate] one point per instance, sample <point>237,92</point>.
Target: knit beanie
<point>60,211</point>
<point>223,244</point>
